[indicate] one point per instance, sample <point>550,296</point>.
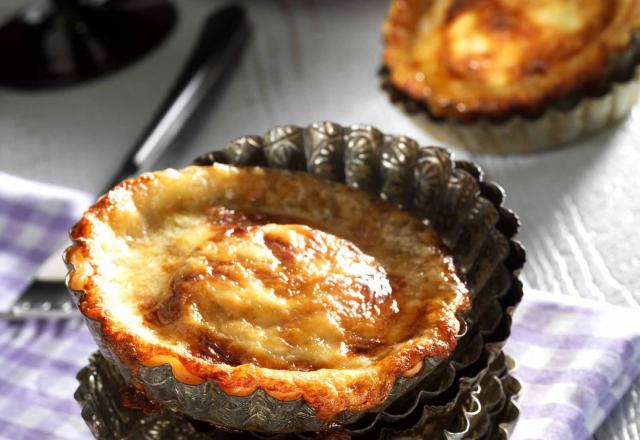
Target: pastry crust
<point>467,59</point>
<point>256,278</point>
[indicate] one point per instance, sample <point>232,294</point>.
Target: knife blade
<point>219,43</point>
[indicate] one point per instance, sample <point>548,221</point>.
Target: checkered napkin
<point>34,219</point>
<point>576,359</point>
<point>38,359</point>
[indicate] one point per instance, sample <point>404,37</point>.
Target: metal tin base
<point>483,408</point>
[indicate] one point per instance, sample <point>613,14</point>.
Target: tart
<point>250,278</point>
<point>397,189</point>
<point>512,75</point>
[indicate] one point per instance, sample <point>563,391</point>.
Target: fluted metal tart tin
<point>452,196</point>
<point>486,409</point>
<point>570,119</point>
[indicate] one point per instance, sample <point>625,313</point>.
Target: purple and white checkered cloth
<point>576,358</point>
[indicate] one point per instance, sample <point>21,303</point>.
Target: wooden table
<point>317,59</point>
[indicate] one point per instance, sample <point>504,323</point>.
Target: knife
<point>217,49</point>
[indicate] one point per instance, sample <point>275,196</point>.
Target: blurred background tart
<point>512,75</point>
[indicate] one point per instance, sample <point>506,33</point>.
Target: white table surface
<point>310,60</point>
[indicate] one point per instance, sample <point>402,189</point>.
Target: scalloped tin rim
<point>105,420</point>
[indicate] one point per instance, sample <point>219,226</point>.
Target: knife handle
<point>220,39</point>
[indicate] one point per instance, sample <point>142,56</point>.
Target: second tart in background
<point>512,75</point>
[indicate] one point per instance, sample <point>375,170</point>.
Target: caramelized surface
<point>243,286</point>
<point>489,57</point>
<point>280,296</point>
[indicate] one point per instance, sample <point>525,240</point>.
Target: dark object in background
<point>52,43</point>
<point>216,51</point>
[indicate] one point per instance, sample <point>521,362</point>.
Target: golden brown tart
<point>254,278</point>
<point>471,62</point>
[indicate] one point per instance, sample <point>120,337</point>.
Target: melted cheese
<point>486,56</point>
<point>271,269</point>
<point>500,43</point>
<point>278,296</point>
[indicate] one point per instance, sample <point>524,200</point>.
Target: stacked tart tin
<point>469,395</point>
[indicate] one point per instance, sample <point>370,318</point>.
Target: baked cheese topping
<point>463,56</point>
<point>281,271</point>
<point>497,44</point>
<point>279,296</point>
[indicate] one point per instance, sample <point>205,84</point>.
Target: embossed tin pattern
<point>486,409</point>
<point>452,195</point>
<point>571,119</point>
